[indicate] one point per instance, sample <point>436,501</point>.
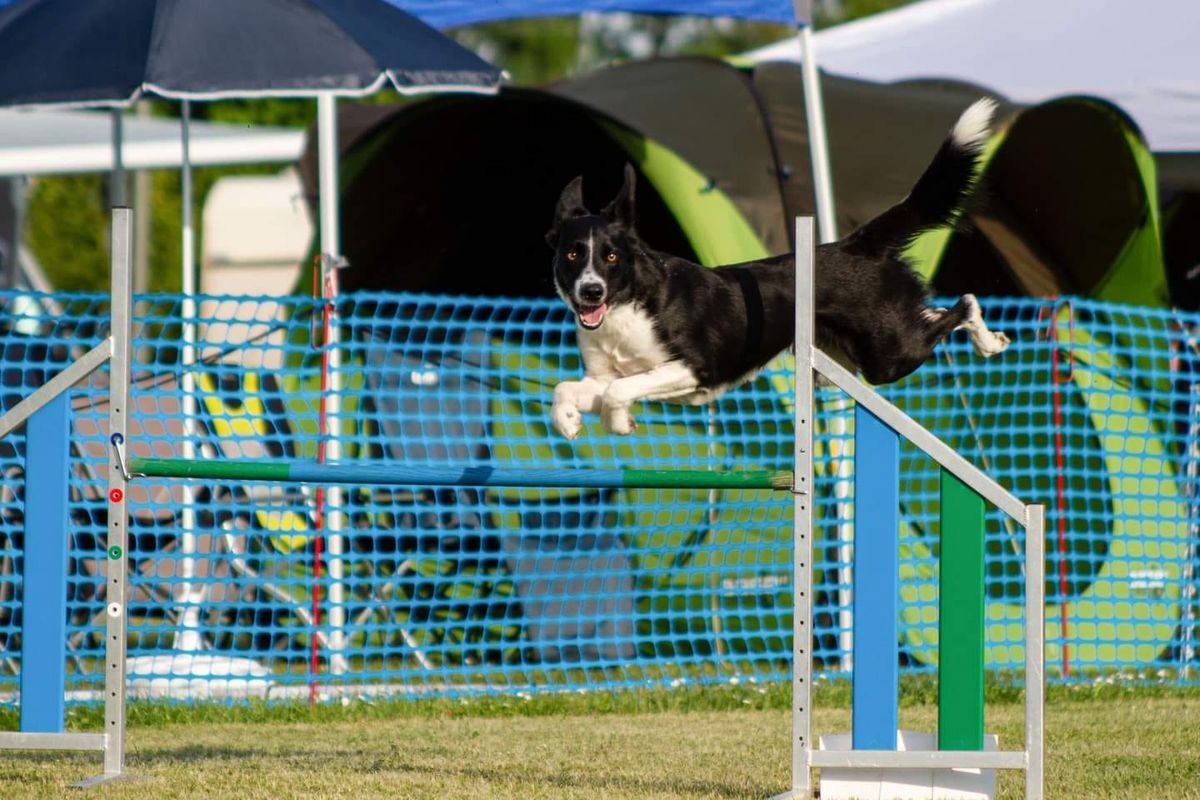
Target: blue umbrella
<point>112,52</point>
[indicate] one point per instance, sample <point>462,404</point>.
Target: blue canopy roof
<point>449,13</point>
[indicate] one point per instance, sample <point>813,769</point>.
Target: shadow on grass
<point>524,774</point>
<point>194,753</point>
<point>514,776</point>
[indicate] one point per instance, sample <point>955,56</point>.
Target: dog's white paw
<point>618,420</point>
<point>567,420</point>
<point>991,343</point>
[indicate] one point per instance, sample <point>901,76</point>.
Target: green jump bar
<point>400,475</point>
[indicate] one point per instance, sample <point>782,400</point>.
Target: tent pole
<point>327,153</point>
<point>191,593</point>
<point>814,112</point>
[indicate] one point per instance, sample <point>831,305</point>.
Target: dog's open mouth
<point>590,317</point>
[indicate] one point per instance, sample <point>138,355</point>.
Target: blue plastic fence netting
<point>1093,411</point>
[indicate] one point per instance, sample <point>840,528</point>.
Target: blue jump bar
<point>403,475</point>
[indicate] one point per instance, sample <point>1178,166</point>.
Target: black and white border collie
<point>652,326</point>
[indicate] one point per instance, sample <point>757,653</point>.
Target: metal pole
<point>142,218</point>
<point>191,595</point>
<point>118,533</point>
<point>920,437</point>
<point>1035,651</point>
<point>803,533</point>
<point>116,185</point>
<point>327,151</point>
<point>818,144</point>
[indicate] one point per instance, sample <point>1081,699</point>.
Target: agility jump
<point>879,425</point>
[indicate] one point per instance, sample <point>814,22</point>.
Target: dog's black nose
<point>591,292</point>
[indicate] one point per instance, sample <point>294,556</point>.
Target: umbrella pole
<point>191,594</point>
<point>116,186</point>
<point>814,113</point>
<point>327,163</point>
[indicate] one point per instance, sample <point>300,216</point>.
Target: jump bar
<point>401,475</point>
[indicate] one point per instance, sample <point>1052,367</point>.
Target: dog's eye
<point>611,258</point>
<point>572,255</point>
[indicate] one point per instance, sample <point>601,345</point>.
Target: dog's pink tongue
<point>591,315</point>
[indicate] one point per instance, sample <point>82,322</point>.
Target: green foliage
<point>67,230</point>
<point>532,51</point>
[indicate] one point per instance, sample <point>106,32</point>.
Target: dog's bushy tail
<point>938,193</point>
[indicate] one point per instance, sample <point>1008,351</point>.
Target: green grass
<point>1104,741</point>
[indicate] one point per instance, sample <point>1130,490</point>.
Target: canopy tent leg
<point>818,143</point>
<point>331,261</point>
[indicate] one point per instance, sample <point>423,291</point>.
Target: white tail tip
<point>972,128</point>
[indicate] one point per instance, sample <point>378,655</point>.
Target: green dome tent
<point>454,195</point>
<point>1068,206</point>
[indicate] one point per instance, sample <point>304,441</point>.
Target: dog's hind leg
<point>574,398</point>
<point>987,343</point>
<point>965,315</point>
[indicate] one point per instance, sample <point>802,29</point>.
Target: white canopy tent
<point>1144,57</point>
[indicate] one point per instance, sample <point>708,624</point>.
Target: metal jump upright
<point>47,731</point>
<point>965,487</point>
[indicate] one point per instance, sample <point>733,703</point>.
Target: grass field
<point>1130,745</point>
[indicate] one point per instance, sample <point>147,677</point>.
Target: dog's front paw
<point>567,420</point>
<point>618,420</point>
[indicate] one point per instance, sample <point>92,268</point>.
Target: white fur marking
<point>626,344</point>
<point>624,362</point>
<point>972,128</point>
<point>589,274</point>
<point>662,383</point>
<point>572,399</point>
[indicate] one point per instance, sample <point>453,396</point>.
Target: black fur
<point>870,305</point>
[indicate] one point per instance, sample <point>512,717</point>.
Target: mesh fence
<point>235,592</point>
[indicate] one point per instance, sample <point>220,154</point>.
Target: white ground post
<point>327,161</point>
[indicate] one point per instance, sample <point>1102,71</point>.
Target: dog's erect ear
<point>621,209</point>
<point>570,205</point>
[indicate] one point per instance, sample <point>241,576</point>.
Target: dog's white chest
<point>624,345</point>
